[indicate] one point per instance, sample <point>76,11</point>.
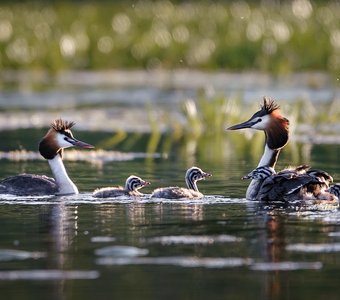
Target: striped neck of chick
<point>260,173</point>
<point>335,189</point>
<point>193,175</point>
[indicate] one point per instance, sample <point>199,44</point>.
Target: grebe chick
<point>334,189</point>
<point>192,175</point>
<point>51,147</point>
<point>132,185</point>
<point>260,173</point>
<point>300,182</point>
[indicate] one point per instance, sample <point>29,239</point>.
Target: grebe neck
<point>269,157</point>
<point>191,184</point>
<point>64,183</point>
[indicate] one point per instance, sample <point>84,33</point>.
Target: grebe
<point>132,185</point>
<point>192,175</point>
<point>260,173</point>
<point>334,189</point>
<point>300,183</point>
<point>51,147</point>
<point>297,182</point>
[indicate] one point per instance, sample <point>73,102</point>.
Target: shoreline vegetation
<point>196,130</point>
<point>171,75</point>
<point>165,101</point>
<point>270,36</point>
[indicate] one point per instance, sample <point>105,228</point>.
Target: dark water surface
<point>219,247</point>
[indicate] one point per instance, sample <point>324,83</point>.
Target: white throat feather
<point>64,183</point>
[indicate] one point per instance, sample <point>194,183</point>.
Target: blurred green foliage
<point>272,36</point>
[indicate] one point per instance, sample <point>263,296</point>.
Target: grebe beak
<point>80,144</point>
<point>146,183</point>
<point>246,124</point>
<point>205,175</point>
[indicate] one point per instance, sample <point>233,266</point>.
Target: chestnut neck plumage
<point>277,134</point>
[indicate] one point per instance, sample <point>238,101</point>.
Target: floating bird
<point>300,183</point>
<point>192,175</point>
<point>51,147</point>
<point>132,185</point>
<point>292,183</point>
<point>334,189</point>
<point>260,173</point>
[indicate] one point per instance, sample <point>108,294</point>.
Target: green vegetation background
<point>274,36</point>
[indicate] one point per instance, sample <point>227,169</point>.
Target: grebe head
<point>134,183</point>
<point>268,119</point>
<point>334,189</point>
<point>322,176</point>
<point>193,175</point>
<point>58,137</point>
<point>260,173</point>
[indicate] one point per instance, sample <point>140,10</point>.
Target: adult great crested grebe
<point>132,185</point>
<point>51,147</point>
<point>192,175</point>
<point>297,182</point>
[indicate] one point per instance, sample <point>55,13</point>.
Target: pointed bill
<point>80,144</point>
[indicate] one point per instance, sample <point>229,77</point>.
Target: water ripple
<point>286,266</point>
<point>189,239</point>
<point>121,251</point>
<point>314,248</point>
<point>181,261</point>
<point>12,254</point>
<point>334,234</point>
<point>47,275</point>
<point>102,239</point>
<point>86,198</point>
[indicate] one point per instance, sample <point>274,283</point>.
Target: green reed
<point>234,35</point>
<point>200,130</point>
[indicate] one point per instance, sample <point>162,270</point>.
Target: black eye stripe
<point>67,133</point>
<point>195,175</point>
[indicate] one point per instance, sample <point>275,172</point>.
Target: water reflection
<point>59,225</point>
<point>63,222</point>
<point>275,246</point>
<point>84,239</point>
<point>219,242</point>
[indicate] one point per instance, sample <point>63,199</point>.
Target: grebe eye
<point>259,120</point>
